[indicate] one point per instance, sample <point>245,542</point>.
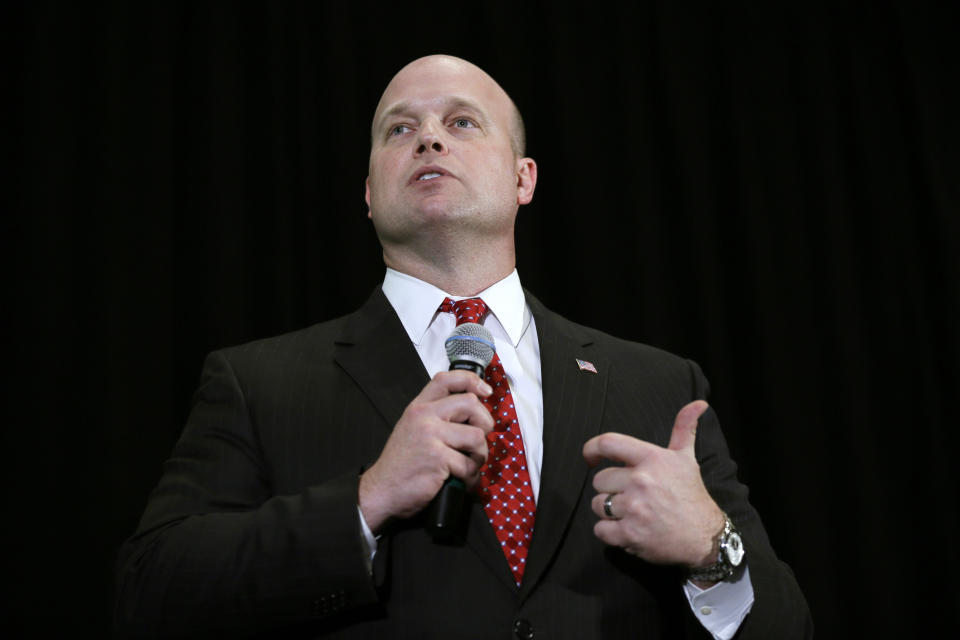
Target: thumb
<point>685,426</point>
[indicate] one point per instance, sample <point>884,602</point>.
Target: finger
<point>468,440</point>
<point>612,480</point>
<point>599,506</point>
<point>464,408</point>
<point>617,447</point>
<point>610,532</point>
<point>450,382</point>
<point>472,478</point>
<point>462,466</point>
<point>684,434</point>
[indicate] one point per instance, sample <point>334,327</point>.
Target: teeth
<point>428,176</point>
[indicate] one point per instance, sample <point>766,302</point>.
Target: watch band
<point>729,555</point>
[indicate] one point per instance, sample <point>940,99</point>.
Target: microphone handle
<point>446,514</point>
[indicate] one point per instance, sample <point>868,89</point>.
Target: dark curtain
<point>771,192</point>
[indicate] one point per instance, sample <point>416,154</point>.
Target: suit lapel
<point>572,407</point>
<point>375,351</point>
<point>483,541</point>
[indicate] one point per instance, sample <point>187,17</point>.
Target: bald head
<point>434,70</point>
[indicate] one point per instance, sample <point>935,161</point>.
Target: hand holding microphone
<point>441,434</point>
<point>469,348</point>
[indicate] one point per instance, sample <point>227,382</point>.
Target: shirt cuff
<point>369,541</point>
<point>722,608</point>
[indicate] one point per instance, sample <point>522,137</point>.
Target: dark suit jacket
<point>253,528</point>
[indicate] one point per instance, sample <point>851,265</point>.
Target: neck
<point>463,271</point>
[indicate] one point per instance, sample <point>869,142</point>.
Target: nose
<point>429,138</point>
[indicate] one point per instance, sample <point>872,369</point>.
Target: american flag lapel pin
<point>586,366</point>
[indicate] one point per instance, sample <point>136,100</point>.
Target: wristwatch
<point>729,557</point>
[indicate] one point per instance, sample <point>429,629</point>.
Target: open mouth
<point>426,174</point>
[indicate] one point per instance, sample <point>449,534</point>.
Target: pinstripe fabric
<point>253,527</point>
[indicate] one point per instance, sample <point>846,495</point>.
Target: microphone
<point>470,347</point>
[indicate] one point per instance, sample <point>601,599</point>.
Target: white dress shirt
<point>510,322</point>
<point>721,608</point>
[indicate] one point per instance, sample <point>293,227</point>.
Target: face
<point>442,157</point>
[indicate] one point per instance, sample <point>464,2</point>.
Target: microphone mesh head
<point>470,341</point>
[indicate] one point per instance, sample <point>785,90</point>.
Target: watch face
<point>734,549</point>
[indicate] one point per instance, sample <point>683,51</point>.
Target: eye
<point>464,123</point>
<point>399,130</point>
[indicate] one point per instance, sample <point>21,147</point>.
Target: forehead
<point>436,84</point>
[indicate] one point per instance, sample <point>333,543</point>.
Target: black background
<point>773,193</point>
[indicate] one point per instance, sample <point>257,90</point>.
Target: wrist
<point>727,559</point>
<point>710,547</point>
<point>372,514</point>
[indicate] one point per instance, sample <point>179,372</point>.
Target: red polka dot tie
<point>504,480</point>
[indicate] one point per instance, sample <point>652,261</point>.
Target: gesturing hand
<point>661,509</point>
<point>427,445</point>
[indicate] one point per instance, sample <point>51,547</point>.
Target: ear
<point>366,196</point>
<point>526,179</point>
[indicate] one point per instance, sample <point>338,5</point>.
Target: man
<point>602,502</point>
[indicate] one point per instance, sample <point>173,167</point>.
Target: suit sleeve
<point>779,609</point>
<point>217,552</point>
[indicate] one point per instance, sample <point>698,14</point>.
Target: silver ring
<point>608,506</point>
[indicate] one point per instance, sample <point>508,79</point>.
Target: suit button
<point>523,629</point>
<point>329,603</point>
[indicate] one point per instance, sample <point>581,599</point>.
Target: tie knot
<point>468,310</point>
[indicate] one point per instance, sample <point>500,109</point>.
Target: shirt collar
<point>416,303</point>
